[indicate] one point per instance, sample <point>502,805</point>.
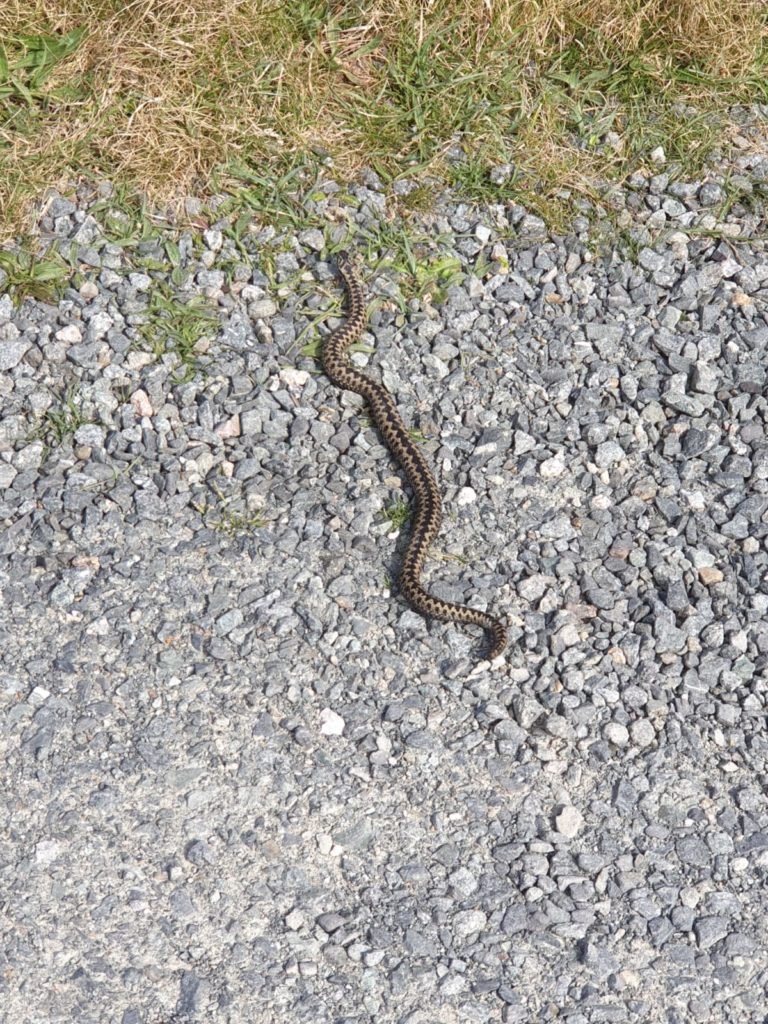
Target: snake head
<point>344,261</point>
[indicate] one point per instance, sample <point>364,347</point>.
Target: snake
<point>426,517</point>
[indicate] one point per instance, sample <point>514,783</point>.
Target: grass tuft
<point>220,515</point>
<point>61,420</point>
<point>177,325</point>
<point>398,513</point>
<point>30,276</point>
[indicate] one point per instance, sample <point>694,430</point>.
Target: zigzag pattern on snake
<point>427,513</point>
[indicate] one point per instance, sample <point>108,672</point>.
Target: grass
<point>422,272</point>
<point>749,196</point>
<point>28,275</point>
<point>277,196</point>
<point>398,513</point>
<point>177,325</point>
<point>175,97</point>
<point>60,421</point>
<point>233,522</point>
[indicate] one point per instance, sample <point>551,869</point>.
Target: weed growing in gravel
<point>432,276</point>
<point>60,421</point>
<point>277,197</point>
<point>235,523</point>
<point>417,436</point>
<point>398,513</point>
<point>749,195</point>
<point>446,556</point>
<point>422,273</point>
<point>313,349</point>
<point>125,219</point>
<point>231,521</point>
<point>28,275</point>
<point>177,325</point>
<point>420,199</point>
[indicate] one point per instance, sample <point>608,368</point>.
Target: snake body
<point>427,513</point>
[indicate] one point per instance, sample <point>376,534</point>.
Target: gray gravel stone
<point>709,931</point>
<point>11,351</point>
<point>7,474</point>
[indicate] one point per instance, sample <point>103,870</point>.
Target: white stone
<point>11,350</point>
<point>466,496</point>
<point>602,502</point>
<point>46,851</point>
<point>99,325</point>
<point>523,442</point>
<point>71,334</point>
<point>264,308</point>
<point>607,454</point>
<point>463,881</point>
<point>29,457</point>
<point>331,723</point>
<point>569,821</point>
<point>552,468</point>
<point>616,733</point>
<point>138,360</point>
<point>452,985</point>
<point>6,309</point>
<point>467,922</point>
<point>294,920</point>
<point>535,586</point>
<point>229,428</point>
<point>642,732</point>
<point>214,239</point>
<point>141,403</point>
<point>293,378</point>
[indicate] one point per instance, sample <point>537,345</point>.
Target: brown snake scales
<point>427,514</point>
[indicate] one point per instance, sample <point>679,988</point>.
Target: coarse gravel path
<point>241,781</point>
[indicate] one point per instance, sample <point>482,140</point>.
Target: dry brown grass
<point>164,91</point>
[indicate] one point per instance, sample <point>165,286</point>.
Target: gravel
<point>242,781</point>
